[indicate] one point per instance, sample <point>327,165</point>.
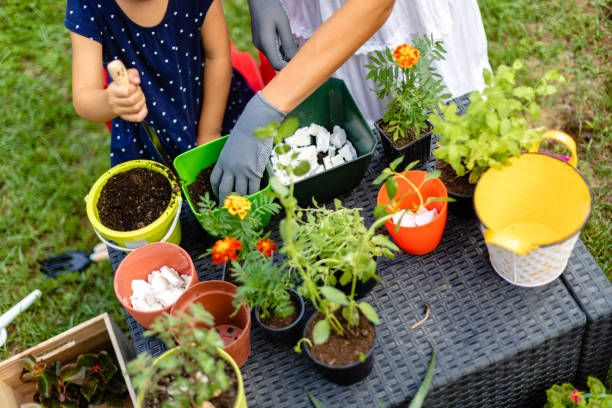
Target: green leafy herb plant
<point>410,83</point>
<point>93,379</point>
<point>193,373</point>
<point>568,396</point>
<point>498,123</point>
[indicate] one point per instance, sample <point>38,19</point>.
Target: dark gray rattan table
<point>497,345</point>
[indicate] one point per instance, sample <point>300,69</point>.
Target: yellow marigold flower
<point>406,55</point>
<point>237,205</point>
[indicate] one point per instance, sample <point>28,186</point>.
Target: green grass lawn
<point>50,157</point>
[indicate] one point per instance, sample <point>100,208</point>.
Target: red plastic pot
<point>217,297</point>
<point>140,263</point>
<point>422,239</point>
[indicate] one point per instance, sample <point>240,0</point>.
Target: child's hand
<point>127,99</point>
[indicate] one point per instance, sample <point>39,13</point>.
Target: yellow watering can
<point>532,212</point>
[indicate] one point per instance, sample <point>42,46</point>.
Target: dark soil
<point>276,322</point>
<point>454,183</point>
<point>339,350</point>
<point>408,137</point>
<point>133,199</point>
<point>225,400</point>
<point>201,186</point>
<point>321,156</point>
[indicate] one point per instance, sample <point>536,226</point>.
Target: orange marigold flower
<point>406,55</point>
<point>225,250</point>
<point>575,396</point>
<point>237,205</point>
<point>266,246</point>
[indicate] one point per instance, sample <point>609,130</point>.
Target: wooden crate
<point>92,336</point>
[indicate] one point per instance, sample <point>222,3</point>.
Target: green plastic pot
<point>240,395</point>
<point>332,104</point>
<point>190,163</point>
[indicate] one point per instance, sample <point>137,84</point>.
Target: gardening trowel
<point>117,71</point>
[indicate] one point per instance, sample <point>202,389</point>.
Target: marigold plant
<point>411,84</point>
<point>237,205</point>
<point>225,250</point>
<point>266,246</point>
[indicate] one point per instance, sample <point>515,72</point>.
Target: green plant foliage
<point>93,379</point>
<point>263,284</point>
<point>568,396</point>
<point>413,91</point>
<point>497,125</point>
<point>197,371</point>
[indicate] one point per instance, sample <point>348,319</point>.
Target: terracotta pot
<point>290,333</point>
<point>140,263</point>
<point>422,239</point>
<point>217,297</point>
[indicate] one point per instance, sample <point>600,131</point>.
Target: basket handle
<point>562,138</point>
<point>164,239</point>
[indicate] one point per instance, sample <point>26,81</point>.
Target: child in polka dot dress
<point>178,59</point>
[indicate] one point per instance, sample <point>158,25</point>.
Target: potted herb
<point>408,80</point>
<point>195,372</point>
<point>134,203</point>
<point>339,318</point>
<point>93,379</point>
<point>266,288</point>
<point>497,125</point>
<point>418,202</point>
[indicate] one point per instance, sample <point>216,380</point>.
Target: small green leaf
<point>282,149</point>
<point>320,333</point>
<point>278,187</point>
<point>288,127</point>
<point>362,357</point>
<point>264,133</point>
<point>447,199</point>
<point>534,111</point>
<point>396,163</point>
<point>72,373</point>
<point>434,174</point>
<point>88,388</point>
<point>29,363</point>
<point>45,382</point>
<point>380,211</point>
<point>302,168</point>
<point>391,185</point>
<point>382,176</point>
<point>369,312</point>
<point>334,295</point>
<point>88,360</point>
<point>419,398</point>
<point>315,401</point>
<point>411,165</point>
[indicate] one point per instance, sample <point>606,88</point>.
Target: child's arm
<point>217,73</point>
<point>91,101</point>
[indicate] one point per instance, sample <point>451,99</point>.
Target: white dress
<point>457,23</point>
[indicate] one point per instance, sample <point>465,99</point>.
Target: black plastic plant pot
<point>463,205</point>
<point>332,104</point>
<point>419,149</point>
<point>289,334</point>
<point>346,374</point>
<point>361,288</point>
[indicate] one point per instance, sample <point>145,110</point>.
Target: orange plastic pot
<point>217,297</point>
<point>421,239</point>
<point>140,263</point>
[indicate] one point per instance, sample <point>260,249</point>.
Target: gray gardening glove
<point>271,31</point>
<point>243,158</point>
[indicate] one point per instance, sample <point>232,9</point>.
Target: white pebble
<point>300,138</point>
<point>315,129</point>
<point>307,153</point>
<point>345,152</point>
<point>327,163</point>
<point>337,160</point>
<point>141,287</point>
<point>338,137</point>
<point>170,296</point>
<point>404,218</point>
<point>323,141</point>
<point>426,217</point>
<point>186,279</point>
<point>158,283</point>
<point>171,275</point>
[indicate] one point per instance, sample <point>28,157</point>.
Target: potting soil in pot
<point>316,145</point>
<point>226,399</point>
<point>408,137</point>
<point>133,199</point>
<point>276,322</point>
<point>454,183</point>
<point>338,350</point>
<point>201,185</point>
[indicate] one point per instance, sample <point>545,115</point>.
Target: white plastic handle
<point>170,230</point>
<point>12,313</point>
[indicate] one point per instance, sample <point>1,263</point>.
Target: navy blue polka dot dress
<point>170,59</point>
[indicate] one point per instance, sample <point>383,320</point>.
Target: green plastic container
<point>190,163</point>
<point>332,104</point>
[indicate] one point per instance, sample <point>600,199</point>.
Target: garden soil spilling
<point>133,199</point>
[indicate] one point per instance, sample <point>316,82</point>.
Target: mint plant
<point>195,374</point>
<point>408,78</point>
<point>498,123</point>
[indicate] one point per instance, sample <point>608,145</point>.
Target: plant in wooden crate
<point>568,396</point>
<point>195,372</point>
<point>498,124</point>
<point>93,379</point>
<point>407,78</point>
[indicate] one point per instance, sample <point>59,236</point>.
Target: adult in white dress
<point>457,23</point>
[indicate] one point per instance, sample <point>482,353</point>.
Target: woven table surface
<point>497,344</point>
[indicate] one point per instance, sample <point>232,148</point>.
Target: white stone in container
<point>300,138</point>
<point>323,141</point>
<point>337,160</point>
<point>314,129</point>
<point>338,137</point>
